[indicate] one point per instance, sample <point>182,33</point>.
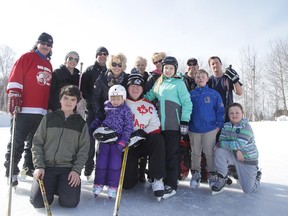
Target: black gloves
<point>137,137</point>
<point>232,74</point>
<point>183,128</point>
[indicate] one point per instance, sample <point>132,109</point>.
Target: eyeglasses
<point>156,62</point>
<point>114,64</point>
<point>102,54</point>
<point>45,43</point>
<point>71,59</point>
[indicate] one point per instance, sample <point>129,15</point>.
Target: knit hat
<point>135,79</point>
<point>70,53</point>
<point>101,49</point>
<point>44,37</point>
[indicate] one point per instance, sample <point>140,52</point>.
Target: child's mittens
<point>120,146</point>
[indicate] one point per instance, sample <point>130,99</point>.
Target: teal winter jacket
<point>174,103</point>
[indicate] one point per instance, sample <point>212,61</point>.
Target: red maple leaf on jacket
<point>142,109</point>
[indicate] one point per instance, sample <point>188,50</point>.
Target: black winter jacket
<point>88,80</point>
<point>60,78</point>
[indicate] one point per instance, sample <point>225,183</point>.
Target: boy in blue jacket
<point>206,120</point>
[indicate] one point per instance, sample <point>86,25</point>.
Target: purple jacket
<point>119,119</point>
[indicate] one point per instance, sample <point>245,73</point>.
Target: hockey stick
<point>119,191</point>
<point>12,148</point>
<point>43,192</point>
<point>81,69</point>
<point>82,103</point>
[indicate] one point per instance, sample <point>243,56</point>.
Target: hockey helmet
<point>170,60</point>
<point>117,90</point>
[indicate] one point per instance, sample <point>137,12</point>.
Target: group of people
<point>148,112</point>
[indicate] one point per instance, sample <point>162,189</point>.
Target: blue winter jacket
<point>208,110</point>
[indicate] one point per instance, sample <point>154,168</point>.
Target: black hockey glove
<point>137,137</point>
<point>232,74</point>
<point>184,128</point>
<point>105,135</point>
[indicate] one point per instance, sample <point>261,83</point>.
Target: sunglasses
<point>114,64</point>
<point>45,43</point>
<point>102,54</point>
<point>191,64</point>
<point>71,59</point>
<point>156,62</point>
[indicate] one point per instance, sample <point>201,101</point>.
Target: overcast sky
<point>181,28</point>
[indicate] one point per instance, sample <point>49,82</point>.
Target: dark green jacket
<point>60,142</point>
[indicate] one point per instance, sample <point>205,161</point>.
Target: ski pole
<point>12,149</point>
<point>119,191</point>
<point>43,192</point>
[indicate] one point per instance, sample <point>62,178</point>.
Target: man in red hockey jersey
<point>28,88</point>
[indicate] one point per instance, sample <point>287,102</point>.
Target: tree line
<point>265,80</point>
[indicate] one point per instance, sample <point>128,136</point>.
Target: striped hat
<point>135,79</point>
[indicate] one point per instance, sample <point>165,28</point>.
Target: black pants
<point>56,183</point>
<point>26,124</point>
<point>90,163</point>
<point>172,139</point>
<point>154,148</point>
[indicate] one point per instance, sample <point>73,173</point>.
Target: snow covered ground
<point>271,199</point>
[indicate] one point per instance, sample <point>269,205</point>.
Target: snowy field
<point>271,199</point>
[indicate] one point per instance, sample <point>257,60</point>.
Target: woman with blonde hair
<point>157,58</point>
<point>140,67</point>
<point>115,75</point>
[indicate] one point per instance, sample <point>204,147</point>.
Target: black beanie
<point>44,37</point>
<point>101,49</point>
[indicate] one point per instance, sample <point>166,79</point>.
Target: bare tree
<point>7,58</point>
<point>277,69</point>
<point>251,70</point>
